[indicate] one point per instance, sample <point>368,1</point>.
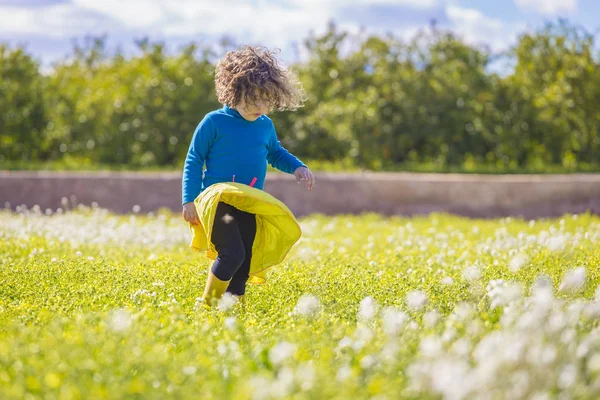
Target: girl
<point>236,142</point>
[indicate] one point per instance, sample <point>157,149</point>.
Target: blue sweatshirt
<point>232,146</point>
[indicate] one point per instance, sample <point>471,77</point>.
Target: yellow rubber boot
<point>214,289</point>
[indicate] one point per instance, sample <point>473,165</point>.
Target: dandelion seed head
<point>119,320</point>
<point>189,370</point>
<point>594,362</point>
<point>394,320</point>
<point>345,342</point>
<point>431,346</point>
<point>305,376</point>
<point>230,323</point>
<point>567,377</point>
<point>502,293</point>
<point>343,374</point>
<point>431,318</point>
<point>281,352</point>
<point>573,280</point>
<point>556,243</point>
<point>308,305</point>
<point>416,299</point>
<point>471,273</point>
<point>226,302</point>
<point>367,309</point>
<point>517,262</point>
<point>447,281</point>
<point>368,362</point>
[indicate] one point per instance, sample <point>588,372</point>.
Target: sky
<point>48,27</point>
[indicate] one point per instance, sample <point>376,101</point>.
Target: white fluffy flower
<point>393,320</point>
<point>119,320</point>
<point>556,243</point>
<point>416,299</point>
<point>542,295</point>
<point>345,342</point>
<point>364,335</point>
<point>306,254</point>
<point>463,313</point>
<point>462,347</point>
<point>283,385</point>
<point>431,318</point>
<point>471,273</point>
<point>226,302</point>
<point>343,374</point>
<point>368,362</point>
<point>594,363</point>
<point>502,294</point>
<point>431,346</point>
<point>260,387</point>
<point>230,323</point>
<point>447,281</point>
<point>281,352</point>
<point>567,376</point>
<point>307,305</point>
<point>517,262</point>
<point>367,309</point>
<point>573,280</point>
<point>592,310</point>
<point>451,378</point>
<point>189,370</point>
<point>305,376</point>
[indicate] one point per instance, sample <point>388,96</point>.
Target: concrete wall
<point>529,196</point>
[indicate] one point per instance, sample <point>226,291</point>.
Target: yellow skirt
<point>276,227</point>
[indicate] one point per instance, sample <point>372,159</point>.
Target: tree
<point>22,106</point>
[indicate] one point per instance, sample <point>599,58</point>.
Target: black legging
<point>233,235</point>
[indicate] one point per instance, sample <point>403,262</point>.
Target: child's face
<point>251,112</point>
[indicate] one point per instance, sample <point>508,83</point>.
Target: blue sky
<point>48,27</point>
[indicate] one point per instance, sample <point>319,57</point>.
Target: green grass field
<point>95,305</point>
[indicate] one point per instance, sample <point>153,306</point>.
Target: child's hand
<point>304,174</point>
<point>190,214</point>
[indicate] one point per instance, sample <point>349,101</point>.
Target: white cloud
<point>255,21</point>
<point>131,13</point>
<point>547,7</point>
<point>274,24</point>
<point>268,22</point>
<point>477,28</point>
<point>59,20</point>
<point>421,4</point>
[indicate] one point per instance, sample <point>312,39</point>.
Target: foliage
<point>104,306</point>
<point>23,109</point>
<point>375,102</point>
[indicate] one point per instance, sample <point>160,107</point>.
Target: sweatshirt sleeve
<point>193,168</point>
<point>279,157</point>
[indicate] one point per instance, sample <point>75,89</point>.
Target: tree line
<point>376,102</point>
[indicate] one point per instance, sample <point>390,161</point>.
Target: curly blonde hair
<point>255,73</point>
